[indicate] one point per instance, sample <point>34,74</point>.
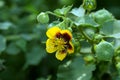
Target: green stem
<point>89,40</point>
<point>87,37</point>
<point>55,15</point>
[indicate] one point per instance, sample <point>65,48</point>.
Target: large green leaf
<point>2,43</point>
<point>34,56</point>
<point>104,51</point>
<point>116,26</point>
<point>75,70</point>
<point>86,21</point>
<point>107,28</point>
<point>116,29</point>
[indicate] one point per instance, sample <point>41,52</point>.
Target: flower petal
<point>66,35</point>
<point>60,55</point>
<point>50,46</point>
<point>70,48</point>
<point>51,33</point>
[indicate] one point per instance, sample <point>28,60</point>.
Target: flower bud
<point>89,4</point>
<point>43,18</point>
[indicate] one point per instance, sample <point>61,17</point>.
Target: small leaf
<point>80,12</point>
<point>104,51</point>
<point>2,43</point>
<point>63,11</point>
<point>75,70</point>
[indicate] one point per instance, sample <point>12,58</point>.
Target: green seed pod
<point>43,18</point>
<point>89,4</point>
<point>102,16</point>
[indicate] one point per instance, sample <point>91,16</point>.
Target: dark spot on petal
<point>66,37</point>
<point>69,46</point>
<point>63,51</point>
<point>58,35</point>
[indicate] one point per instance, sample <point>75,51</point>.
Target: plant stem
<point>55,14</point>
<point>87,37</point>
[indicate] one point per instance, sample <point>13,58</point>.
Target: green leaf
<point>5,25</point>
<point>117,43</point>
<point>102,16</point>
<point>63,11</point>
<point>2,43</point>
<point>75,70</point>
<point>41,32</point>
<point>107,28</point>
<point>117,36</point>
<point>104,51</point>
<point>12,49</point>
<point>79,12</point>
<point>90,21</point>
<point>78,20</point>
<point>85,21</point>
<point>21,43</point>
<point>86,47</point>
<point>35,55</point>
<point>54,23</point>
<point>116,29</point>
<point>116,26</point>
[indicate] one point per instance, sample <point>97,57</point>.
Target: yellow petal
<point>66,35</point>
<point>51,33</point>
<point>60,55</point>
<point>70,48</point>
<point>50,46</point>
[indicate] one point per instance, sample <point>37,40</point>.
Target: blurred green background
<point>22,53</point>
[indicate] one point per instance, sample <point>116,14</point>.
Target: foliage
<point>95,36</point>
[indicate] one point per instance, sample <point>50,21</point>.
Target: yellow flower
<point>59,41</point>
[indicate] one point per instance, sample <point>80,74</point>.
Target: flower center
<point>60,43</point>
